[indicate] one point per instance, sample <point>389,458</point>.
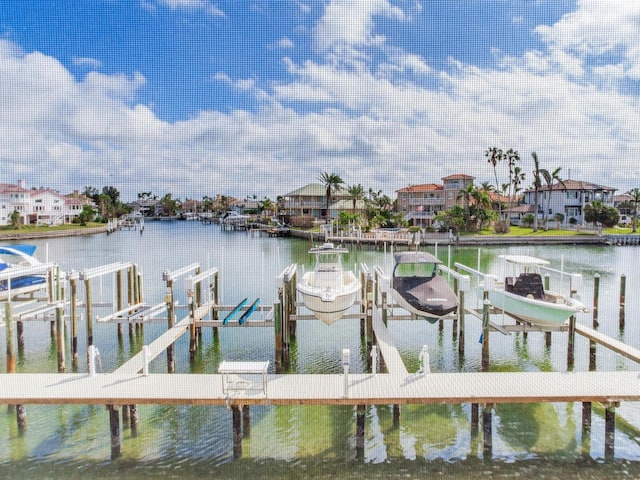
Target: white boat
<point>329,290</point>
<point>234,218</point>
<point>418,287</point>
<point>523,296</point>
<point>13,258</point>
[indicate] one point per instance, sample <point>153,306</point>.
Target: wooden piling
<point>475,418</point>
<point>74,322</point>
<point>114,428</point>
<point>487,430</point>
<point>277,328</point>
<point>396,415</point>
<point>11,346</point>
<point>21,418</point>
<point>623,288</point>
<point>485,332</point>
<point>609,430</point>
<point>193,340</point>
<point>171,362</point>
<point>246,421</point>
<point>119,299</point>
<point>130,297</point>
<point>59,322</point>
<point>133,419</point>
<point>360,420</point>
<point>369,313</point>
<point>126,417</point>
<point>592,343</point>
<point>89,309</point>
<point>237,431</point>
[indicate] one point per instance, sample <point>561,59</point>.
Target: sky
<point>261,97</point>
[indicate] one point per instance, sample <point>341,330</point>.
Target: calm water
<point>194,442</point>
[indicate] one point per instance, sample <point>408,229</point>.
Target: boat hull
<point>534,311</point>
<point>329,302</point>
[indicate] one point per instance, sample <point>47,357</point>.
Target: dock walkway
<point>323,389</point>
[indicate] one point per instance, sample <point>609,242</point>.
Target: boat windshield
<point>423,269</point>
<point>328,262</point>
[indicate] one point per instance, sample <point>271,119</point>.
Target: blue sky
<point>259,97</point>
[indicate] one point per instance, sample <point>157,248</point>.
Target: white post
<point>93,358</point>
<point>374,359</point>
<point>425,366</point>
<point>346,361</point>
<point>146,353</point>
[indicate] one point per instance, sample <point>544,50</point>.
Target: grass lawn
<point>30,229</point>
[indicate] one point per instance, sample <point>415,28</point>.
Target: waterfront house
<point>38,206</point>
<point>568,199</point>
<point>311,201</point>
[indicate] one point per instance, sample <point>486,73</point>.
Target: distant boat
<point>234,218</point>
<point>12,258</point>
<point>522,295</point>
<point>329,290</point>
<point>418,287</point>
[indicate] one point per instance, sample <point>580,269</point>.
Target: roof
<point>575,185</point>
<point>458,176</point>
<point>524,260</point>
<point>310,190</point>
<point>425,187</point>
<point>521,209</point>
<point>11,188</point>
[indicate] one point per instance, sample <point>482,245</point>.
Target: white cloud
<point>350,23</point>
<point>203,5</point>
<point>87,62</point>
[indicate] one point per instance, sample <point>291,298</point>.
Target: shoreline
<point>74,232</point>
<point>430,239</point>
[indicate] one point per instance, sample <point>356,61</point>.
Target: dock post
<point>216,302</point>
<point>130,298</point>
<point>114,428</point>
<point>11,346</point>
<point>126,417</point>
<point>293,310</point>
<point>592,344</point>
<point>119,299</point>
<point>369,312</point>
<point>74,322</point>
<point>475,419</point>
<point>89,307</point>
<point>454,326</point>
<point>363,304</point>
<point>246,421</point>
<point>485,332</point>
<point>237,431</point>
<point>460,325</point>
<point>277,327</point>
<point>396,415</point>
<point>571,341</point>
<point>360,418</point>
<point>198,294</point>
<point>133,419</point>
<point>547,335</point>
<point>168,300</point>
<point>609,430</point>
<point>59,323</point>
<point>21,417</point>
<point>623,288</point>
<point>487,430</point>
<point>193,340</point>
<point>586,428</point>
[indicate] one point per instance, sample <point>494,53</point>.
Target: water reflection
<point>541,439</point>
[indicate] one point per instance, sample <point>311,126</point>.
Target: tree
<point>169,205</point>
<point>537,185</point>
<point>86,215</point>
<point>494,156</point>
<point>549,178</point>
<point>355,193</point>
<point>331,182</point>
<point>15,219</point>
<point>267,205</point>
<point>634,193</point>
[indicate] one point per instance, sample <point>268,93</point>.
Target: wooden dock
<point>608,388</point>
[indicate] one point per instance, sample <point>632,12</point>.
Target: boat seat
<point>509,283</point>
<point>529,284</point>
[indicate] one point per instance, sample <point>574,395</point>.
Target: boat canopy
<point>18,249</point>
<point>525,260</point>
<point>328,248</point>
<point>415,257</point>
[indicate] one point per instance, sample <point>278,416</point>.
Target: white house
<point>569,199</point>
<point>35,206</point>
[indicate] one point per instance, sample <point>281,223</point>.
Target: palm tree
<point>494,156</point>
<point>355,193</point>
<point>634,193</point>
<point>331,182</point>
<point>511,156</point>
<point>549,178</point>
<point>537,185</point>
